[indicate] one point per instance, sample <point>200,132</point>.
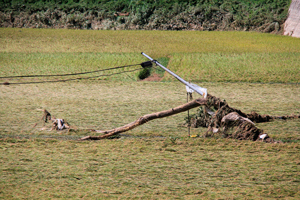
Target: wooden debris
<point>146,118</point>
<point>57,124</point>
<point>224,119</point>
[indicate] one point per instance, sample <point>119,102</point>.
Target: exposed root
<point>248,131</point>
<point>226,118</point>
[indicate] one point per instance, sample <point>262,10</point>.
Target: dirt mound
<point>153,77</point>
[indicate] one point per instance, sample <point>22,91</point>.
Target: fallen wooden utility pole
<point>224,119</point>
<point>146,118</point>
<point>230,122</point>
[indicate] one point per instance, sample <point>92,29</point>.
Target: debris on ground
<point>214,114</point>
<point>57,124</point>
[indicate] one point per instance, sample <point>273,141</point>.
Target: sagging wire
<point>72,79</point>
<point>72,74</point>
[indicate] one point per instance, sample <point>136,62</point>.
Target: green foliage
<point>144,73</point>
<point>247,12</point>
<point>199,114</point>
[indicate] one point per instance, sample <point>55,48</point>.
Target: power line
<point>144,64</point>
<point>72,79</point>
<point>70,74</point>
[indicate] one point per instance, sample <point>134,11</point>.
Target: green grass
<point>245,67</point>
<point>211,67</point>
<point>156,160</point>
<point>65,63</point>
<point>197,56</point>
<point>155,43</point>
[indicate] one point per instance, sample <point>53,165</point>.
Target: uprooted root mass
<point>233,123</point>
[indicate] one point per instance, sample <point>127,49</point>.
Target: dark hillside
<point>246,15</point>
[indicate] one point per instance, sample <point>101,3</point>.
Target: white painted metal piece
<point>263,136</point>
<point>189,90</point>
<point>60,124</point>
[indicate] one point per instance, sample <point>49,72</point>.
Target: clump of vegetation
<point>258,15</point>
<point>144,73</point>
<point>199,119</point>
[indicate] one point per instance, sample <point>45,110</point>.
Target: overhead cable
<point>64,80</point>
<point>70,74</point>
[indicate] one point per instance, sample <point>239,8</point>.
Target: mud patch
<point>153,77</point>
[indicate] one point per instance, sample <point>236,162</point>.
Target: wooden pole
<point>146,118</point>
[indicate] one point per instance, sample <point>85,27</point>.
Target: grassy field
<point>197,56</point>
<point>155,43</point>
<point>156,160</point>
